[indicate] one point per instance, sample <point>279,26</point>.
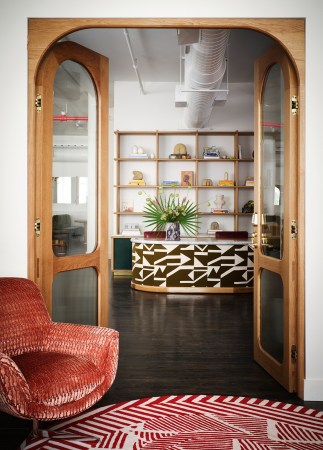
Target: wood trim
<point>195,290</point>
<point>290,33</point>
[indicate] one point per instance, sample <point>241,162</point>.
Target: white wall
<point>156,111</point>
<point>13,120</point>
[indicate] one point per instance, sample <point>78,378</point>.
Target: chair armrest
<point>14,390</point>
<point>97,344</point>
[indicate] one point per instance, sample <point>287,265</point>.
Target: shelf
<point>136,159</point>
<point>135,186</point>
<point>160,144</point>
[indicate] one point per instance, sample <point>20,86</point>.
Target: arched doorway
<point>289,33</point>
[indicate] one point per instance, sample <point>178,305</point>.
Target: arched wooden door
<point>275,224</point>
<point>71,225</point>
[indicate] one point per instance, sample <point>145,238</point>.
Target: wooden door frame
<point>289,33</point>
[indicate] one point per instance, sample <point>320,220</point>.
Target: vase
<point>173,231</point>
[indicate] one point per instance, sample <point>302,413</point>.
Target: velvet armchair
<point>49,370</point>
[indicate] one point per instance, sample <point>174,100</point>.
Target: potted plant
<point>169,213</point>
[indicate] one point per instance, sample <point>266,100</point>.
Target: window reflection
<point>74,164</point>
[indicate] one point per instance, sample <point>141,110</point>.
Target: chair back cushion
<point>24,319</point>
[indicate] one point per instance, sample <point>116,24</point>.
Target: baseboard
<point>313,389</point>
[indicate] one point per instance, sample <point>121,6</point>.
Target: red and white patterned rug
<point>190,422</point>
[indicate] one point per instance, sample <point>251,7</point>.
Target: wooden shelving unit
<point>157,167</point>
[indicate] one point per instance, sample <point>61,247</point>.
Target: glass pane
<point>272,164</point>
<point>75,296</point>
<point>74,183</point>
<point>272,314</point>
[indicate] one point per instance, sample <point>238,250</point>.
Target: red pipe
<point>273,124</point>
<point>66,118</point>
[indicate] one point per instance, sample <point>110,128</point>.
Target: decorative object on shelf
<point>180,149</point>
<point>154,234</point>
<point>249,181</point>
<point>211,152</point>
<point>187,178</point>
<point>219,201</point>
<point>207,182</point>
<point>173,231</point>
<point>179,152</point>
<point>138,152</point>
<point>214,227</point>
<point>226,181</point>
<point>127,205</point>
<point>161,210</point>
<point>152,156</point>
<point>131,229</point>
<point>248,207</point>
<point>137,178</point>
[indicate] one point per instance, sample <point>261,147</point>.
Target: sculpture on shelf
<point>179,152</point>
<point>138,178</point>
<point>219,201</point>
<point>207,182</point>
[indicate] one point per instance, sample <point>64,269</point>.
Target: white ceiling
<point>157,52</point>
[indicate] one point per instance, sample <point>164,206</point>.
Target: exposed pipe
<point>204,70</point>
<point>134,60</point>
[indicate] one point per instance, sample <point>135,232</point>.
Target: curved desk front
<point>194,265</point>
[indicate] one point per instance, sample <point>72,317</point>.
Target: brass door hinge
<point>293,229</point>
<point>38,102</point>
<point>294,105</point>
<point>37,227</point>
<point>294,353</point>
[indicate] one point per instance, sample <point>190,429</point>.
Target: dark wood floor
<point>177,344</point>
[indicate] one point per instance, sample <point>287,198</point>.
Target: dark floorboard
<point>178,344</point>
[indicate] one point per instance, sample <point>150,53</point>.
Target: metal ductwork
<point>205,66</point>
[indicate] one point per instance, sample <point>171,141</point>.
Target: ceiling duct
<point>205,66</point>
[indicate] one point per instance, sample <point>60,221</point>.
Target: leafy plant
<point>161,210</point>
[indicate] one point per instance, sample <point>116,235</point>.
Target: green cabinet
<point>121,254</point>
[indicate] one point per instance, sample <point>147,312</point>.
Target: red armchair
<point>49,370</point>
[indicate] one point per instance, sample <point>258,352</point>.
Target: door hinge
<point>38,102</point>
<point>293,229</point>
<point>37,227</point>
<point>294,105</point>
<point>294,353</point>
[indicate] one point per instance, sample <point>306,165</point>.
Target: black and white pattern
<point>192,265</point>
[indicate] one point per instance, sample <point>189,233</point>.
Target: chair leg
<point>35,431</point>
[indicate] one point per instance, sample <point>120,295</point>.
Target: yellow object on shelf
<point>226,182</point>
<point>137,183</point>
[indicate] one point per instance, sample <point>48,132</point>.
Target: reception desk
<point>194,265</point>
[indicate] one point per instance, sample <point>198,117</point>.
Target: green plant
<point>163,209</point>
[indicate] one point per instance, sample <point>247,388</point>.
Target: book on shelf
<point>212,232</point>
<point>137,183</point>
<point>220,211</point>
<point>138,155</point>
<point>249,181</point>
<point>170,183</point>
<point>207,156</point>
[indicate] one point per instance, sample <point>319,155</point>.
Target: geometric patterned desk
<point>197,265</point>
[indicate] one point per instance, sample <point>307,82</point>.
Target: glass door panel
<point>74,163</point>
<point>272,314</point>
<point>272,164</point>
<point>75,296</point>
